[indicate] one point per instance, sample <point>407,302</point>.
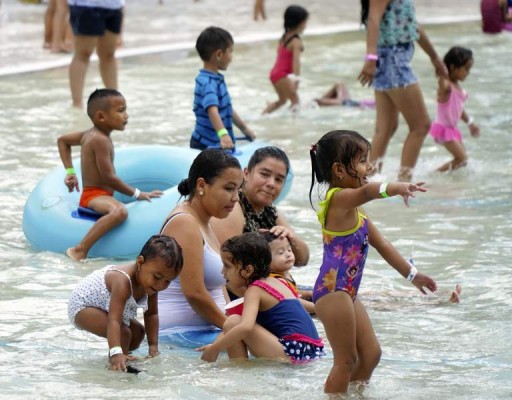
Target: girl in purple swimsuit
<point>340,159</point>
<point>274,324</point>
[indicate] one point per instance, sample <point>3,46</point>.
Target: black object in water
<point>132,370</point>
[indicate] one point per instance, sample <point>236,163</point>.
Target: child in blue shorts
<point>212,104</point>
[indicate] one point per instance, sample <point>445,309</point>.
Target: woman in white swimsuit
<point>191,309</point>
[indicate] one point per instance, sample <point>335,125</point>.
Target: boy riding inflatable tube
<point>51,221</point>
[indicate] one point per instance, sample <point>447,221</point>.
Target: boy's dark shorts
<point>94,21</point>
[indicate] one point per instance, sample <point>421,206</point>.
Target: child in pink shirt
<point>450,108</point>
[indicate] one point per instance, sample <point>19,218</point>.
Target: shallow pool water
<point>458,232</point>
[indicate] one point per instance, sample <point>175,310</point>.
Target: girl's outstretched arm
<point>400,264</point>
<point>352,198</point>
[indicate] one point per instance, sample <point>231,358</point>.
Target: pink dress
<point>444,128</point>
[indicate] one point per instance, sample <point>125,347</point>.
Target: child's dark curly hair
<point>250,249</point>
<point>166,248</point>
<point>457,57</point>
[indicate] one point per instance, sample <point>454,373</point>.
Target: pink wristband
<point>371,57</point>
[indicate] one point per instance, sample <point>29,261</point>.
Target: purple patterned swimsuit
<point>344,255</point>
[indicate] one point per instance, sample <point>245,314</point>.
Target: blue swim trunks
<point>394,67</point>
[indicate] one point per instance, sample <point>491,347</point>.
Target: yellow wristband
<point>70,171</point>
<point>222,132</point>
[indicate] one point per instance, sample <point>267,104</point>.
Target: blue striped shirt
<point>211,91</point>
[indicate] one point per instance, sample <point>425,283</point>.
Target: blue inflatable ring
<point>51,221</point>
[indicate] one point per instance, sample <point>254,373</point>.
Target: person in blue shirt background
<point>212,104</point>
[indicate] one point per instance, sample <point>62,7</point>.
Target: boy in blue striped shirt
<point>212,104</point>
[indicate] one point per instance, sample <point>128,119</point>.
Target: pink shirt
<point>449,113</point>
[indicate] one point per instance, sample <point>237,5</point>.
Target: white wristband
<point>115,350</point>
<point>470,121</point>
<point>412,274</point>
<point>136,194</point>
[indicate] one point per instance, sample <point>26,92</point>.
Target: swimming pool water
<point>458,232</point>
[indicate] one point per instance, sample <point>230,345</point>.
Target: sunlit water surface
<point>458,232</point>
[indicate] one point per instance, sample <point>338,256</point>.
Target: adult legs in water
<point>409,102</point>
<point>106,48</point>
<point>48,23</point>
<point>84,46</point>
<point>259,10</point>
<point>60,26</point>
<point>386,124</point>
<point>412,106</point>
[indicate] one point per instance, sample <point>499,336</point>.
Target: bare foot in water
<point>74,254</point>
<point>455,297</point>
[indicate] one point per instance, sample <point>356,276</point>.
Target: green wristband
<point>222,132</point>
<point>70,171</point>
<point>383,189</point>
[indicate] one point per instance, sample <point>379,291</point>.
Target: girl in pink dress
<point>450,108</point>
